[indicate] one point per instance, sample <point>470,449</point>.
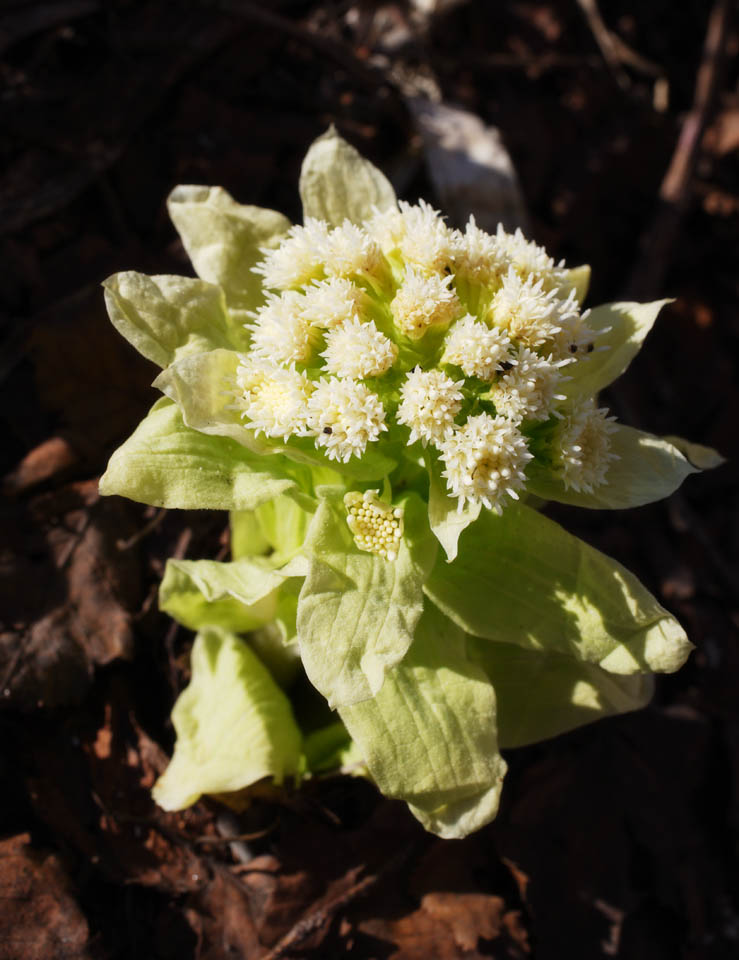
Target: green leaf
<point>284,524</point>
<point>331,748</point>
<point>520,578</point>
<point>247,538</point>
<point>356,611</point>
<point>225,239</point>
<point>239,596</point>
<point>702,458</point>
<point>446,520</point>
<point>203,386</point>
<point>167,464</point>
<point>429,736</point>
<point>541,695</point>
<point>648,468</point>
<point>624,326</point>
<point>337,183</point>
<point>234,725</point>
<point>578,279</point>
<point>170,317</point>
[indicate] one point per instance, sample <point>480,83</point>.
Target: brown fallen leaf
<point>40,918</point>
<point>68,594</point>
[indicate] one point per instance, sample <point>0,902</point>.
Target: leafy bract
<point>240,596</point>
<point>357,612</point>
<point>170,317</point>
<point>520,578</point>
<point>167,464</point>
<point>234,725</point>
<point>429,735</point>
<point>337,183</point>
<point>284,524</point>
<point>203,388</point>
<point>578,279</point>
<point>225,239</point>
<point>541,695</point>
<point>648,468</point>
<point>620,330</point>
<point>446,520</point>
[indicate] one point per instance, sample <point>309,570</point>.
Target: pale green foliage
<point>166,318</point>
<point>234,725</point>
<point>429,735</point>
<point>540,695</point>
<point>337,183</point>
<point>225,239</point>
<point>358,612</point>
<point>520,578</point>
<point>440,375</point>
<point>170,465</point>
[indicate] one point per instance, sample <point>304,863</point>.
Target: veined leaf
<point>429,736</point>
<point>520,578</point>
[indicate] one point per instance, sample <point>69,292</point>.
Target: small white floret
<point>377,527</point>
<point>424,301</point>
<point>527,391</point>
<point>425,241</point>
<point>386,227</point>
<point>478,256</point>
<point>485,461</point>
<point>358,350</point>
<point>531,260</point>
<point>351,252</point>
<point>329,303</point>
<point>298,259</point>
<point>429,403</point>
<point>273,399</point>
<point>582,446</point>
<point>478,349</point>
<point>281,332</point>
<point>344,416</point>
<point>523,309</point>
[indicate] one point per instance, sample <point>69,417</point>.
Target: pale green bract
<point>374,396</point>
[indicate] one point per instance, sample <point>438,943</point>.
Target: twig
<point>606,42</point>
<point>143,532</point>
<point>659,239</point>
<point>324,914</point>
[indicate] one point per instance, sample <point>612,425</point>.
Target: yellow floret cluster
<point>406,332</point>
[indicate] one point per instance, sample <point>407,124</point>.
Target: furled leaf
<point>247,538</point>
<point>520,578</point>
<point>225,239</point>
<point>541,695</point>
<point>203,388</point>
<point>234,725</point>
<point>621,329</point>
<point>167,464</point>
<point>446,520</point>
<point>331,748</point>
<point>170,317</point>
<point>284,524</point>
<point>337,183</point>
<point>648,468</point>
<point>357,612</point>
<point>239,596</point>
<point>429,736</point>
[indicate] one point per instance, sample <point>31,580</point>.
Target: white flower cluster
<point>377,527</point>
<point>405,327</point>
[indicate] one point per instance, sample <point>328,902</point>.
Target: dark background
<point>619,840</point>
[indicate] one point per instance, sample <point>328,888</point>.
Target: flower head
<point>422,302</point>
<point>429,403</point>
<point>273,400</point>
<point>344,416</point>
<point>356,349</point>
<point>582,446</point>
<point>485,461</point>
<point>377,527</point>
<point>478,349</point>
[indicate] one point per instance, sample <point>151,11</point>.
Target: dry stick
<point>658,241</point>
<point>605,40</point>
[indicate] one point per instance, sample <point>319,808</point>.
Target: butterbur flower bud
<point>454,370</point>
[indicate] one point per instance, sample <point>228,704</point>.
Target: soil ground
<point>618,840</point>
